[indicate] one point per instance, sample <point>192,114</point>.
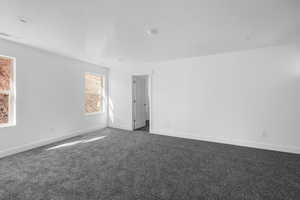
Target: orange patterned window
<point>7,97</point>
<point>93,93</point>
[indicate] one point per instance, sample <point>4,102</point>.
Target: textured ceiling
<point>106,31</point>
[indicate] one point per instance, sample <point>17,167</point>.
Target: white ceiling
<point>105,31</point>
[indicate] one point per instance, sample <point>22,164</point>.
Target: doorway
<point>140,103</point>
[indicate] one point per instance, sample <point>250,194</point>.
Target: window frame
<point>102,93</point>
<point>11,93</point>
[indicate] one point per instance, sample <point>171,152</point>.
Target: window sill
<point>7,125</point>
<point>95,113</point>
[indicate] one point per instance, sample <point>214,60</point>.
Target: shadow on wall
<point>282,112</point>
<point>267,112</point>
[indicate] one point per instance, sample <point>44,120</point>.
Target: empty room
<point>149,100</point>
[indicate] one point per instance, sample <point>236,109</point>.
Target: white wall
<point>248,98</point>
<point>50,98</point>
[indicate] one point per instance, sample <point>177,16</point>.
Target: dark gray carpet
<point>127,165</point>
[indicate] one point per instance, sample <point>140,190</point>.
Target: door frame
<point>149,77</point>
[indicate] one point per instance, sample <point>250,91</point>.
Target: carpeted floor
<point>120,165</point>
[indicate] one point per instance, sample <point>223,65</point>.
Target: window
<point>93,93</point>
<point>7,88</point>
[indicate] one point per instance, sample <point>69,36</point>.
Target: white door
<point>139,101</point>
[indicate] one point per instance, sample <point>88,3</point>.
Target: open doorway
<point>140,103</point>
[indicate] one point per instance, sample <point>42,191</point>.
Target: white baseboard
<point>252,144</point>
<point>40,143</point>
